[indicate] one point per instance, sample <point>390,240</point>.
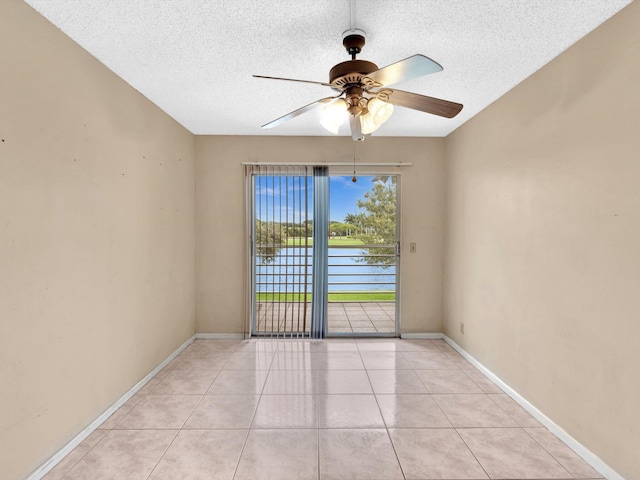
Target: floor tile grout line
<point>244,444</point>
<point>255,411</point>
<point>475,382</point>
<point>318,439</point>
<point>191,412</point>
<point>386,427</point>
<point>427,388</point>
<point>164,453</point>
<point>472,453</point>
<point>85,454</point>
<point>551,454</point>
<point>184,423</point>
<point>489,395</point>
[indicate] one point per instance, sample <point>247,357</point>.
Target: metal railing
<point>295,272</point>
<point>384,276</point>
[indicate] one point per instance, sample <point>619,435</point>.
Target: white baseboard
<point>64,451</point>
<point>414,336</point>
<point>220,336</point>
<point>587,455</point>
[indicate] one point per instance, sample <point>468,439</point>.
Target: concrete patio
<point>351,317</point>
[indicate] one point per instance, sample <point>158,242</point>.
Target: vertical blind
<point>320,250</point>
<point>282,270</point>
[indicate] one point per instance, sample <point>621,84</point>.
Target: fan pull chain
<point>354,179</point>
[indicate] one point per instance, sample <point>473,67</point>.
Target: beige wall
<point>97,274</point>
<point>543,240</point>
<point>96,238</point>
<point>220,217</point>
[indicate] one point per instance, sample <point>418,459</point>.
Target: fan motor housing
<point>350,72</point>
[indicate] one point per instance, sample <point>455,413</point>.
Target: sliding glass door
<point>323,253</point>
<point>363,256</point>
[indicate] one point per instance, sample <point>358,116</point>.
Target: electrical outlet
<point>462,328</point>
<point>412,247</point>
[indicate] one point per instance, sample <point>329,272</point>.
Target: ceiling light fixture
<point>334,115</point>
<point>378,112</point>
<point>369,109</point>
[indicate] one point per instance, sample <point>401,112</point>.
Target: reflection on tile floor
<point>359,317</point>
<point>332,409</point>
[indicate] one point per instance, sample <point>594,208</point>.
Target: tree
<point>378,219</point>
<point>270,237</point>
<point>355,220</point>
<point>352,219</point>
<point>339,229</point>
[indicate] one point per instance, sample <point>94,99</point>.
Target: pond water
<point>347,271</point>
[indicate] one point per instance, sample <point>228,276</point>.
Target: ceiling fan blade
<point>436,106</point>
<point>412,67</point>
<point>294,80</point>
<point>356,127</point>
<point>295,113</point>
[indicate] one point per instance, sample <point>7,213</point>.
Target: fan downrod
<point>350,73</point>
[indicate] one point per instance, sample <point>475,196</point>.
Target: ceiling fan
<point>363,93</point>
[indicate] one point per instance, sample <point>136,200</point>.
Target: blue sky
<point>343,194</point>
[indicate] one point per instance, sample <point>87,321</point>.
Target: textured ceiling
<point>194,58</point>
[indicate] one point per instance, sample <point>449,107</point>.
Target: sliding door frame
<point>371,170</point>
<point>339,169</point>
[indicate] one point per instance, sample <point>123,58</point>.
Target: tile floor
<point>332,409</point>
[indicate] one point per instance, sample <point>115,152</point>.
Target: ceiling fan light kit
<point>378,113</point>
<point>333,115</point>
<point>362,94</point>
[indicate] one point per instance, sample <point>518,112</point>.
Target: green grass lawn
<point>333,241</point>
<point>363,297</point>
<point>373,296</point>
